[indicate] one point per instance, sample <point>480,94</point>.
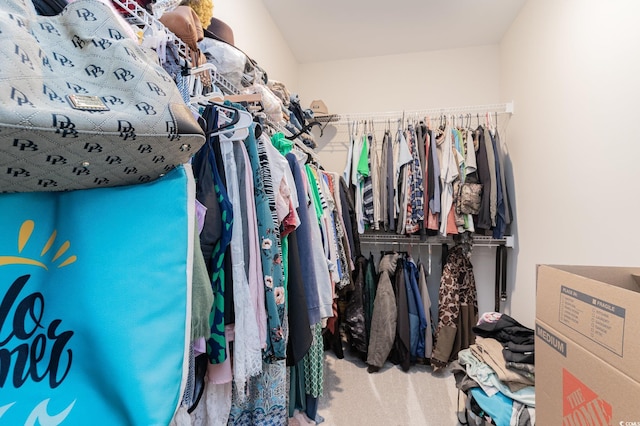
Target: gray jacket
<point>385,314</point>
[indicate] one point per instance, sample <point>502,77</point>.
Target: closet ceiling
<point>327,30</point>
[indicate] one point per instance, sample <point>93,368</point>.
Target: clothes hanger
<point>305,129</point>
<point>373,138</point>
<point>213,108</point>
<point>490,124</point>
<point>235,122</point>
<point>196,88</point>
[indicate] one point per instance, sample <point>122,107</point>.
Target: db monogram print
<point>82,105</point>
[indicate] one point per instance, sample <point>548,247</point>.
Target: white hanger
<point>240,130</point>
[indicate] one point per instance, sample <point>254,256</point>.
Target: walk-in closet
<point>282,212</point>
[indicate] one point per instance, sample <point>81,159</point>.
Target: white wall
<point>256,34</point>
<point>573,69</point>
<point>446,78</point>
<point>410,81</point>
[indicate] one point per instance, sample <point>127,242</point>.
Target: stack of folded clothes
<point>497,373</point>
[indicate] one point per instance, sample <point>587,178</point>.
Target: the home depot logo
<point>581,405</point>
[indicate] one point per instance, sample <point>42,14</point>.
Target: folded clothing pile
<point>497,373</point>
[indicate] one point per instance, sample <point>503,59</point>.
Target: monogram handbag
<point>82,105</point>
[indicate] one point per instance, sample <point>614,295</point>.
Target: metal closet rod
<point>504,108</point>
<point>415,240</point>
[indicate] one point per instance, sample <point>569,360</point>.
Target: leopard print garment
<point>457,293</point>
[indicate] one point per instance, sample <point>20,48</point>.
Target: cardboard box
<point>587,346</point>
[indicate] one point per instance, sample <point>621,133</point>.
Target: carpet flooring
<point>389,397</point>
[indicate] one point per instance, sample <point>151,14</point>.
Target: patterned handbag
<point>82,105</point>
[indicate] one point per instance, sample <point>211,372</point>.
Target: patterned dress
<point>266,400</point>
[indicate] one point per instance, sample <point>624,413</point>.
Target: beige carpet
<point>389,397</point>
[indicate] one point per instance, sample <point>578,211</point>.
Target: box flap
<point>619,276</point>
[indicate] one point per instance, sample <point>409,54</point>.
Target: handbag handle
<point>19,7</point>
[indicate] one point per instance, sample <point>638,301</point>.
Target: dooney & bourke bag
<point>82,105</point>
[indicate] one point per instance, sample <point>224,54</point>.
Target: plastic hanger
<point>196,88</point>
<point>229,119</point>
<point>233,124</point>
<point>239,130</point>
<point>305,129</point>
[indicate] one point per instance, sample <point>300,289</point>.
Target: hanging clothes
<point>344,246</point>
<point>270,250</point>
<point>415,206</point>
<point>362,184</point>
<point>493,194</point>
<point>305,245</point>
<point>463,221</point>
<point>448,173</point>
<point>458,308</point>
<point>346,174</point>
<point>502,207</point>
<point>403,180</point>
<point>484,177</point>
<point>374,166</point>
<point>368,191</point>
<point>385,315</point>
<point>370,280</point>
<point>252,241</point>
<point>417,317</point>
<point>354,317</point>
<point>435,184</point>
<point>318,239</point>
<point>426,306</point>
<point>300,336</point>
<point>401,353</point>
<point>266,399</point>
<point>216,234</point>
<point>387,184</point>
<point>247,346</point>
<point>331,243</point>
<point>501,153</point>
<point>349,219</point>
